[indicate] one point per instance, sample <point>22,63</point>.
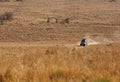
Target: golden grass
<point>59,63</point>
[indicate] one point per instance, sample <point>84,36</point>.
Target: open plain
<point>41,42</point>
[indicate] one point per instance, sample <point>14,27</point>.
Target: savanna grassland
<point>40,43</point>
<point>60,63</point>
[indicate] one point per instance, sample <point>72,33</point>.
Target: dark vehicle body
<point>83,42</point>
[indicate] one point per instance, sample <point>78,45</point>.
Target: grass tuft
<point>101,80</point>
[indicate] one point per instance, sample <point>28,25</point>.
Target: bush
<point>8,16</point>
<point>1,22</point>
<point>56,20</point>
<point>11,0</point>
<point>67,20</point>
<point>19,0</point>
<point>1,19</point>
<point>4,0</point>
<point>112,0</point>
<point>48,20</point>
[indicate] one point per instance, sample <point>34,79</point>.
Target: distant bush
<point>67,20</point>
<point>112,0</point>
<point>8,16</point>
<point>56,20</point>
<point>11,0</point>
<point>1,22</point>
<point>19,0</point>
<point>2,19</point>
<point>4,0</point>
<point>48,20</point>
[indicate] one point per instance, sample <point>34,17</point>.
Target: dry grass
<point>96,19</point>
<point>59,63</point>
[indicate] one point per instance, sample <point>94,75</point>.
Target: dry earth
<point>96,19</point>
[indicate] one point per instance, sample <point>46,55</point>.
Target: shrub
<point>56,20</point>
<point>48,20</point>
<point>1,22</point>
<point>4,0</point>
<point>8,15</point>
<point>1,19</point>
<point>19,0</point>
<point>112,0</point>
<point>67,20</point>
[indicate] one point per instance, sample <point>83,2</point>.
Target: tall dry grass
<point>60,63</point>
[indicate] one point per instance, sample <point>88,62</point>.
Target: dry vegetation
<point>39,44</point>
<point>60,63</point>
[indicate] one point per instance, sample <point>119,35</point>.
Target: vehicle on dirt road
<point>83,42</point>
